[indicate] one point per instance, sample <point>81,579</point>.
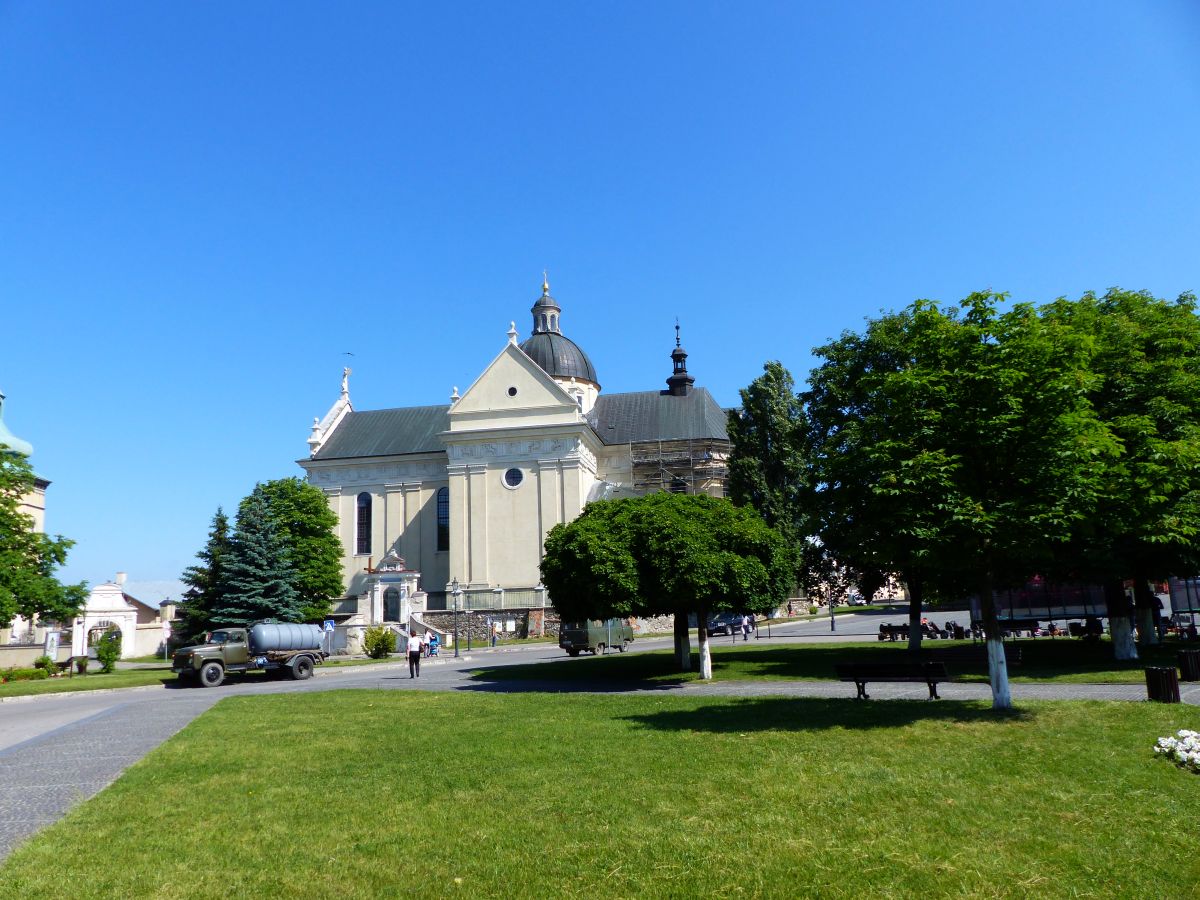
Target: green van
<point>594,636</point>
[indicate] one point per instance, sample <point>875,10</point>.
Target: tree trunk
<point>1118,620</point>
<point>916,597</point>
<point>1146,603</point>
<point>997,663</point>
<point>705,646</point>
<point>683,641</point>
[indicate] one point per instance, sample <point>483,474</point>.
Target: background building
<point>465,493</point>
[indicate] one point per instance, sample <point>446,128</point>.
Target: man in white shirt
<point>414,653</point>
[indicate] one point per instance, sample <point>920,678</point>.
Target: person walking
<point>414,653</point>
<point>745,627</point>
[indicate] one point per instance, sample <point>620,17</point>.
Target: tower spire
<point>546,311</point>
<point>680,383</point>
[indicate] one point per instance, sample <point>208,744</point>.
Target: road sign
<point>329,624</point>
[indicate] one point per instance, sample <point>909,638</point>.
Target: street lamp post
<point>456,591</point>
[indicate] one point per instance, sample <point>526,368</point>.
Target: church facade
<point>433,498</point>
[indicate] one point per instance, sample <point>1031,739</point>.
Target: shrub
<point>44,662</point>
<point>812,610</point>
<point>108,650</point>
<point>379,641</point>
<point>15,674</point>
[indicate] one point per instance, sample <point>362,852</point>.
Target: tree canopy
<point>308,527</point>
<point>956,446</point>
<point>28,559</point>
<point>666,554</point>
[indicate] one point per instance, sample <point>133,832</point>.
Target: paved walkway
<point>57,750</point>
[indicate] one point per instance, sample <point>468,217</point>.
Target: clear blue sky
<point>203,206</point>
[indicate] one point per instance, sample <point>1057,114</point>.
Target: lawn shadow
<point>813,714</point>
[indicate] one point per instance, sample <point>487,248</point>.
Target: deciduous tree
<point>956,446</point>
<point>666,554</point>
<point>1145,388</point>
<point>28,559</point>
<point>308,527</point>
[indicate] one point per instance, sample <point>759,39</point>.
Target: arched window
<point>362,542</point>
<point>443,518</point>
<point>553,322</point>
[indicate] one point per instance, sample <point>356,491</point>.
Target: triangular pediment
<point>513,390</point>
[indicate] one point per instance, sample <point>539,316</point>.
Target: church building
<point>431,499</point>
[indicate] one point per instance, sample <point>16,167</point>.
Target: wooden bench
<point>860,673</point>
<point>975,654</point>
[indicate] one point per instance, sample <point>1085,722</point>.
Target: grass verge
<point>93,681</point>
<point>1064,660</point>
<point>363,794</point>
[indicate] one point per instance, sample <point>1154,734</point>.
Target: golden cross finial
<point>545,282</point>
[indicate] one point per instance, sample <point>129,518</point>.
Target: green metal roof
<point>388,432</point>
<point>656,416</point>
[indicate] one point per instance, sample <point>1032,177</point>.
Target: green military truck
<point>594,636</point>
<point>282,648</point>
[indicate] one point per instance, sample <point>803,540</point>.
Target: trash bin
<point>1189,665</point>
<point>1162,684</point>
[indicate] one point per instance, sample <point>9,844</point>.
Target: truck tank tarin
<point>267,636</point>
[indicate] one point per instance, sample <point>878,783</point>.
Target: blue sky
<point>204,206</point>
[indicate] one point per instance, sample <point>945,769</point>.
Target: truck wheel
<point>572,653</point>
<point>211,674</point>
<point>621,647</point>
<point>599,649</point>
<point>302,668</point>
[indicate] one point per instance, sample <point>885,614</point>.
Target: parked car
<point>725,623</point>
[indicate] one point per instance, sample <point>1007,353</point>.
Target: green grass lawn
<point>93,681</point>
<point>365,794</point>
<point>1043,660</point>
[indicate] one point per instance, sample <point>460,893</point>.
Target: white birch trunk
<point>998,674</point>
<point>705,654</point>
<point>1147,633</point>
<point>914,631</point>
<point>1122,638</point>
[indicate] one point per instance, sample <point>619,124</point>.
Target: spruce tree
<point>206,583</point>
<point>258,576</point>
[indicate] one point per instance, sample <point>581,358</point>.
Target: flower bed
<point>1183,749</point>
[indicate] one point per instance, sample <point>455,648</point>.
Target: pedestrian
<point>495,631</point>
<point>745,627</point>
<point>414,653</point>
<point>754,624</point>
<point>789,609</point>
<point>428,642</point>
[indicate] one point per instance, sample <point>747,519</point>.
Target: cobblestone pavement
<point>52,765</point>
<point>46,776</point>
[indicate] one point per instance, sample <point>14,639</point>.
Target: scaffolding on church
<point>692,466</point>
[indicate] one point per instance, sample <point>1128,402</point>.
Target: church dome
<point>559,356</point>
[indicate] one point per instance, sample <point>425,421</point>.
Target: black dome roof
<point>559,356</point>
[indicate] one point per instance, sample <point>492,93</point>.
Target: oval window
<point>513,477</point>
